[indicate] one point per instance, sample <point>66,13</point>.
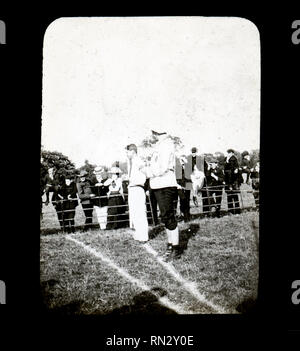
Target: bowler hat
<point>245,153</point>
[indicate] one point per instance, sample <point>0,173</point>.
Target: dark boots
<point>176,253</point>
<point>172,252</point>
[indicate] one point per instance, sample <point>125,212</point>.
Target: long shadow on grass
<point>46,296</point>
<point>144,303</point>
<point>186,234</point>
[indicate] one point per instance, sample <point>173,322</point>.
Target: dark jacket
<point>191,162</point>
<point>245,166</point>
<point>211,181</point>
<point>100,191</point>
<point>231,178</point>
<point>65,191</point>
<point>84,190</point>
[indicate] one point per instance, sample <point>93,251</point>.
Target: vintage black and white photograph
<point>150,166</point>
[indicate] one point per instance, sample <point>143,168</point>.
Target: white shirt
<point>136,176</point>
<point>162,165</point>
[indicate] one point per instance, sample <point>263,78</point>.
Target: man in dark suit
<point>84,188</point>
<point>68,191</point>
<point>232,182</point>
<point>215,181</point>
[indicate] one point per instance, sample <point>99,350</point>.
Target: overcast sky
<point>108,81</point>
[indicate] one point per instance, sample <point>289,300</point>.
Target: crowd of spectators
<point>104,190</point>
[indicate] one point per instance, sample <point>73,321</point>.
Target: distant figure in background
<point>52,186</point>
<point>255,183</point>
<point>84,189</point>
<point>232,182</point>
<point>51,183</point>
<point>43,175</point>
<point>136,195</point>
<point>215,184</point>
<point>100,201</point>
<point>116,200</point>
<point>68,191</point>
<point>193,172</point>
<point>206,199</point>
<point>183,193</point>
<point>245,167</point>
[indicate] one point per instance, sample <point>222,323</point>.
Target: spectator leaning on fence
<point>84,188</point>
<point>136,195</point>
<point>68,191</point>
<point>255,183</point>
<point>100,200</point>
<point>50,183</point>
<point>116,200</point>
<point>215,181</point>
<point>161,172</point>
<point>245,166</point>
<point>52,186</point>
<point>43,181</point>
<point>232,182</point>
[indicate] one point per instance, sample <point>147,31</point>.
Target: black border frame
<point>21,63</point>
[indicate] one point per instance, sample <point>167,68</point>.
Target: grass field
<point>107,272</point>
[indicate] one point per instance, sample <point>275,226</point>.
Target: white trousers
<point>138,213</point>
<point>101,213</point>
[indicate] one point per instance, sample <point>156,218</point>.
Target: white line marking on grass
<point>162,300</point>
<point>189,286</point>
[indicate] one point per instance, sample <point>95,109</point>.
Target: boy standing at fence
<point>136,195</point>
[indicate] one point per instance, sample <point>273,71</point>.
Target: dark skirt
<point>116,211</point>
